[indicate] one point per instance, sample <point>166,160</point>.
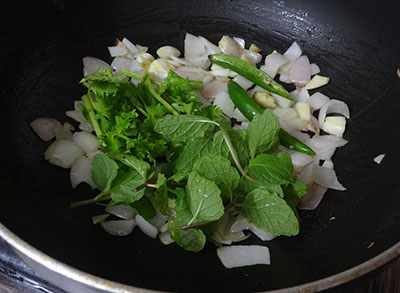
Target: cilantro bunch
<point>162,151</point>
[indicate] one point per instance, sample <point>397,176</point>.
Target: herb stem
<point>88,201</point>
<point>195,225</point>
<point>137,76</point>
<point>159,98</point>
<point>87,102</point>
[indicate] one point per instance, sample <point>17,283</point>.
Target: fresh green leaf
<point>270,212</point>
<point>140,166</point>
<point>180,198</point>
<point>262,133</point>
<point>104,170</point>
<point>270,170</point>
<point>124,194</point>
<point>161,194</point>
<point>144,207</point>
<point>219,169</point>
<point>203,198</point>
<point>124,185</point>
<point>295,190</point>
<point>183,128</point>
<point>247,186</point>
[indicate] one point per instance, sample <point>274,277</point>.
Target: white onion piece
<point>86,141</point>
<point>282,102</point>
<point>78,117</point>
<point>45,128</point>
<point>168,51</point>
<point>210,47</point>
<point>335,125</point>
<point>332,106</point>
<point>146,227</point>
<point>221,72</point>
<point>303,111</point>
<point>307,174</point>
<point>327,178</point>
<point>300,160</point>
<point>285,114</point>
<point>224,102</point>
<point>121,63</point>
<point>284,78</point>
<point>121,211</point>
<point>223,233</point>
<point>238,115</point>
<point>241,223</point>
<point>313,125</point>
<point>325,145</point>
<point>328,164</point>
<point>193,73</point>
<point>229,46</point>
<point>300,72</point>
<point>130,46</point>
<point>165,238</point>
<point>243,255</point>
<point>213,88</point>
<point>158,220</point>
<point>312,199</point>
<point>293,52</point>
<point>65,133</point>
<point>317,100</point>
<point>241,42</point>
<point>378,159</point>
<point>243,82</point>
<point>194,47</point>
<point>92,65</point>
<point>118,227</point>
<point>314,68</point>
<point>252,57</point>
<point>260,233</point>
<point>81,171</point>
<point>273,62</point>
<point>93,154</point>
<point>303,95</point>
<point>118,50</point>
<point>202,62</point>
<point>64,153</point>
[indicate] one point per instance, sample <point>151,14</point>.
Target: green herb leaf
<point>270,170</point>
<point>219,169</point>
<point>104,170</point>
<point>144,207</point>
<point>140,166</point>
<point>262,133</point>
<point>124,185</point>
<point>247,186</point>
<point>161,194</point>
<point>270,212</point>
<point>203,198</point>
<point>295,190</point>
<point>183,128</point>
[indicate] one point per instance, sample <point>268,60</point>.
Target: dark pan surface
<point>356,43</point>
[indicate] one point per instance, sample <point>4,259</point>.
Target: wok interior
<point>41,67</point>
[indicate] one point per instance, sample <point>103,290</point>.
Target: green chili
<point>250,72</point>
<point>249,109</point>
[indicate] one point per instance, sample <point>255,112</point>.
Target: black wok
<point>356,43</point>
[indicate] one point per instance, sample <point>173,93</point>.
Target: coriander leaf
<point>203,198</point>
<point>144,207</point>
<point>192,151</point>
<point>247,186</point>
<point>183,128</point>
<point>161,194</point>
<point>270,170</point>
<point>219,169</point>
<point>295,190</point>
<point>104,170</point>
<point>262,133</point>
<point>270,212</point>
<point>190,239</point>
<point>211,112</point>
<point>140,166</point>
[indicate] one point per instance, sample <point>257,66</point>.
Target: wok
<point>356,43</point>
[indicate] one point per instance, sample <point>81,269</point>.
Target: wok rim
<point>99,283</point>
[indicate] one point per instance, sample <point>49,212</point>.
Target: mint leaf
<point>190,239</point>
<point>186,159</point>
<point>218,145</point>
<point>270,170</point>
<point>262,133</point>
<point>270,212</point>
<point>140,166</point>
<point>124,185</point>
<point>180,196</point>
<point>247,186</point>
<point>219,169</point>
<point>183,128</point>
<point>104,170</point>
<point>203,198</point>
<point>124,194</point>
<point>295,190</point>
<point>144,207</point>
<point>161,194</point>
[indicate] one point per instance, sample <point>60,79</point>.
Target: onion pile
<point>314,118</point>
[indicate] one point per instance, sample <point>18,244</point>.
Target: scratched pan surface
<point>356,43</point>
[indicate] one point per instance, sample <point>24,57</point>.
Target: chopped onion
<point>167,52</point>
<point>313,126</point>
<point>86,141</point>
<point>78,117</point>
<point>121,63</point>
<point>213,88</point>
<point>300,71</point>
<point>165,238</point>
<point>300,160</point>
<point>224,102</point>
<point>325,145</point>
<point>65,132</point>
<point>238,115</point>
<point>229,46</point>
<point>158,220</point>
<point>45,128</point>
<point>241,223</point>
<point>251,57</point>
<point>317,81</point>
<point>130,46</point>
<point>118,50</point>
<point>327,178</point>
<point>335,125</point>
<point>284,78</point>
<point>210,47</point>
<point>121,211</point>
<point>243,255</point>
<point>314,69</point>
<point>293,52</point>
<point>282,102</point>
<point>194,47</point>
<point>146,227</point>
<point>378,159</point>
<point>81,171</point>
<point>64,153</point>
<point>273,62</point>
<point>312,199</point>
<point>303,111</point>
<point>119,227</point>
<point>243,82</point>
<point>332,106</point>
<point>241,42</point>
<point>307,175</point>
<point>317,100</point>
<point>92,65</point>
<point>223,233</point>
<point>328,164</point>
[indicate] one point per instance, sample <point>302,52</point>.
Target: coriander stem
<point>129,73</point>
<point>159,98</point>
<point>87,102</point>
